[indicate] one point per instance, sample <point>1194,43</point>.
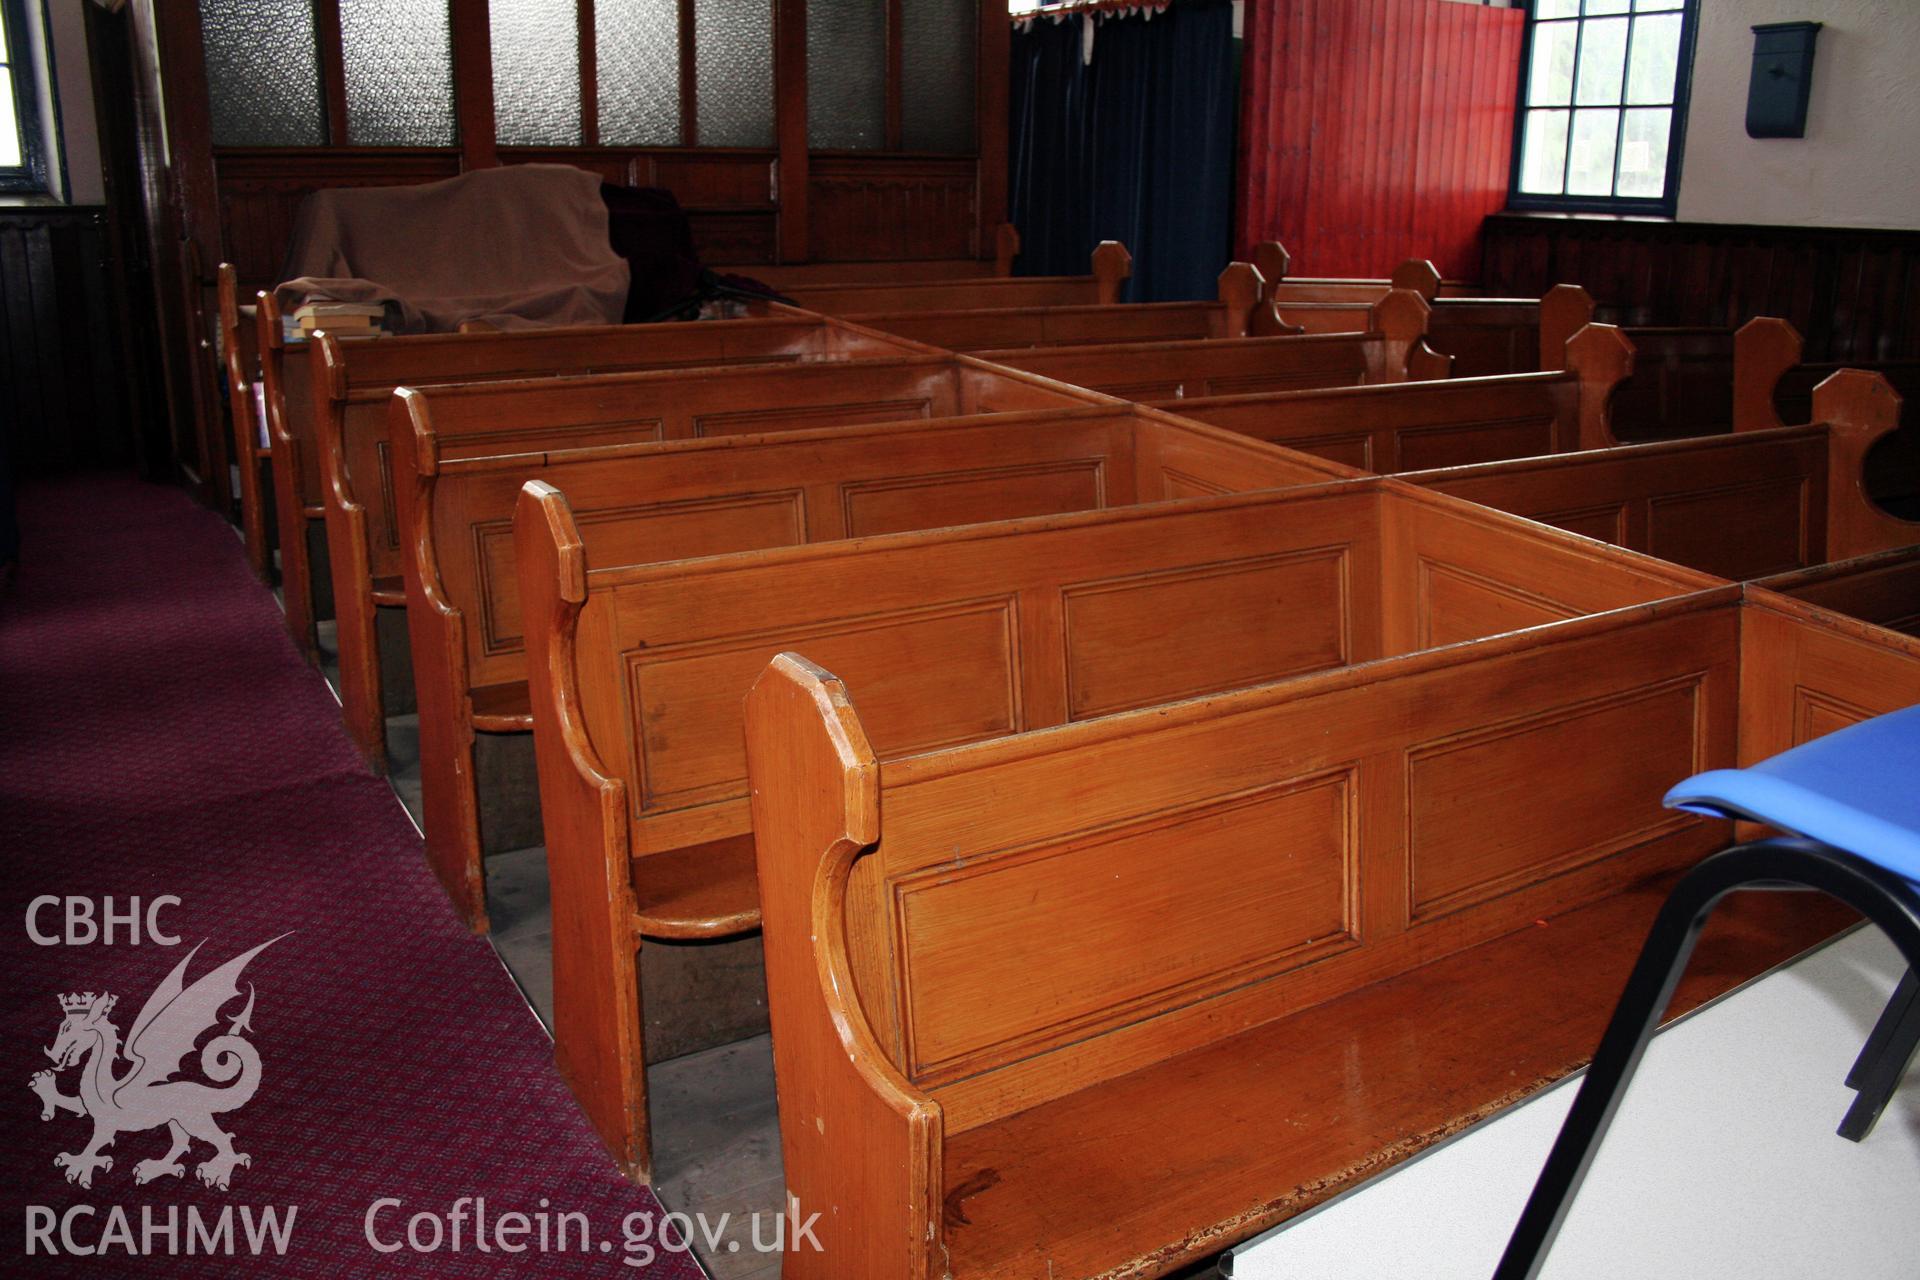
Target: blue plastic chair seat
<point>1857,789</point>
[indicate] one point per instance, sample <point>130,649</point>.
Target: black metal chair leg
<point>1897,1005</point>
<point>1786,863</point>
<point>1884,1060</point>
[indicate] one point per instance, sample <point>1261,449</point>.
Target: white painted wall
<point>1858,166</point>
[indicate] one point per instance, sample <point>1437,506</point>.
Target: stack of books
<point>342,319</point>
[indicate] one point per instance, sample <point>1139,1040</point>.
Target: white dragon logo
<point>146,1096</point>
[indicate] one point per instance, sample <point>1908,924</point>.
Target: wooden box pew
<point>240,365</point>
<point>803,275</point>
<point>649,502</point>
<point>1245,951</point>
<point>1422,424</point>
<point>1390,350</point>
<point>1773,385</point>
<point>1682,383</point>
<point>1284,288</point>
<point>636,673</point>
<point>1112,266</point>
<point>1882,588</point>
<point>1742,506</point>
<point>1233,314</point>
<point>679,403</point>
<point>1016,979</point>
<point>298,402</point>
<point>1483,335</point>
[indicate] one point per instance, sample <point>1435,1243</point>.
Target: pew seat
<point>704,890</point>
<point>389,589</point>
<point>1264,1125</point>
<point>501,708</point>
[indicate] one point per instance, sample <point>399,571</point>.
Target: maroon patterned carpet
<point>158,735</point>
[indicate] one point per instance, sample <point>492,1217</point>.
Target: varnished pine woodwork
<point>240,364</point>
<point>983,631</point>
<point>337,432</point>
<point>1393,350</point>
<point>653,502</point>
<point>1406,426</point>
<point>1743,506</point>
<point>1112,265</point>
<point>1402,780</point>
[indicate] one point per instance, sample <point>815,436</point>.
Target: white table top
<point>1721,1162</point>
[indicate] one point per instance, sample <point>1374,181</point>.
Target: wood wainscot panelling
<point>1853,294</point>
<point>891,206</point>
<point>64,390</point>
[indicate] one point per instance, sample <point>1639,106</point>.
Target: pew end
<point>1239,287</point>
<point>1112,268</point>
<point>1419,275</point>
<point>867,1144</point>
<point>1565,309</point>
<point>596,1010</point>
<point>1764,349</point>
<point>1601,357</point>
<point>1859,408</point>
<point>1401,318</point>
<point>1006,248</point>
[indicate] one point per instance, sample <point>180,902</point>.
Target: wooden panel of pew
<point>964,634</point>
<point>1273,850</point>
<point>1284,289</point>
<point>1390,350</point>
<point>1112,267</point>
<point>1232,315</point>
<point>678,403</point>
<point>1682,383</point>
<point>1412,425</point>
<point>1883,588</point>
<point>1774,386</point>
<point>299,406</point>
<point>240,364</point>
<point>806,275</point>
<point>645,502</point>
<point>1484,335</point>
<point>1743,506</point>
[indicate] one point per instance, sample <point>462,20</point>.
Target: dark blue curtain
<point>1136,146</point>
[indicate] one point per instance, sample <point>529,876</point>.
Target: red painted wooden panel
<point>1376,130</point>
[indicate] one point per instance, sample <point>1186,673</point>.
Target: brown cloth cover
<point>516,246</point>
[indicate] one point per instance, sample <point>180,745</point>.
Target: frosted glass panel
<point>936,70</point>
<point>1550,83</point>
<point>847,73</point>
<point>637,47</point>
<point>1603,55</point>
<point>733,72</point>
<point>399,62</point>
<point>536,72</point>
<point>1543,157</point>
<point>1643,152</point>
<point>1590,162</point>
<point>263,73</point>
<point>1656,56</point>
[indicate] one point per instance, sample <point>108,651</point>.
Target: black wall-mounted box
<point>1782,79</point>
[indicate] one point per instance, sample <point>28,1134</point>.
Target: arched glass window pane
<point>733,72</point>
<point>937,39</point>
<point>399,64</point>
<point>263,73</point>
<point>536,72</point>
<point>637,49</point>
<point>846,74</point>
